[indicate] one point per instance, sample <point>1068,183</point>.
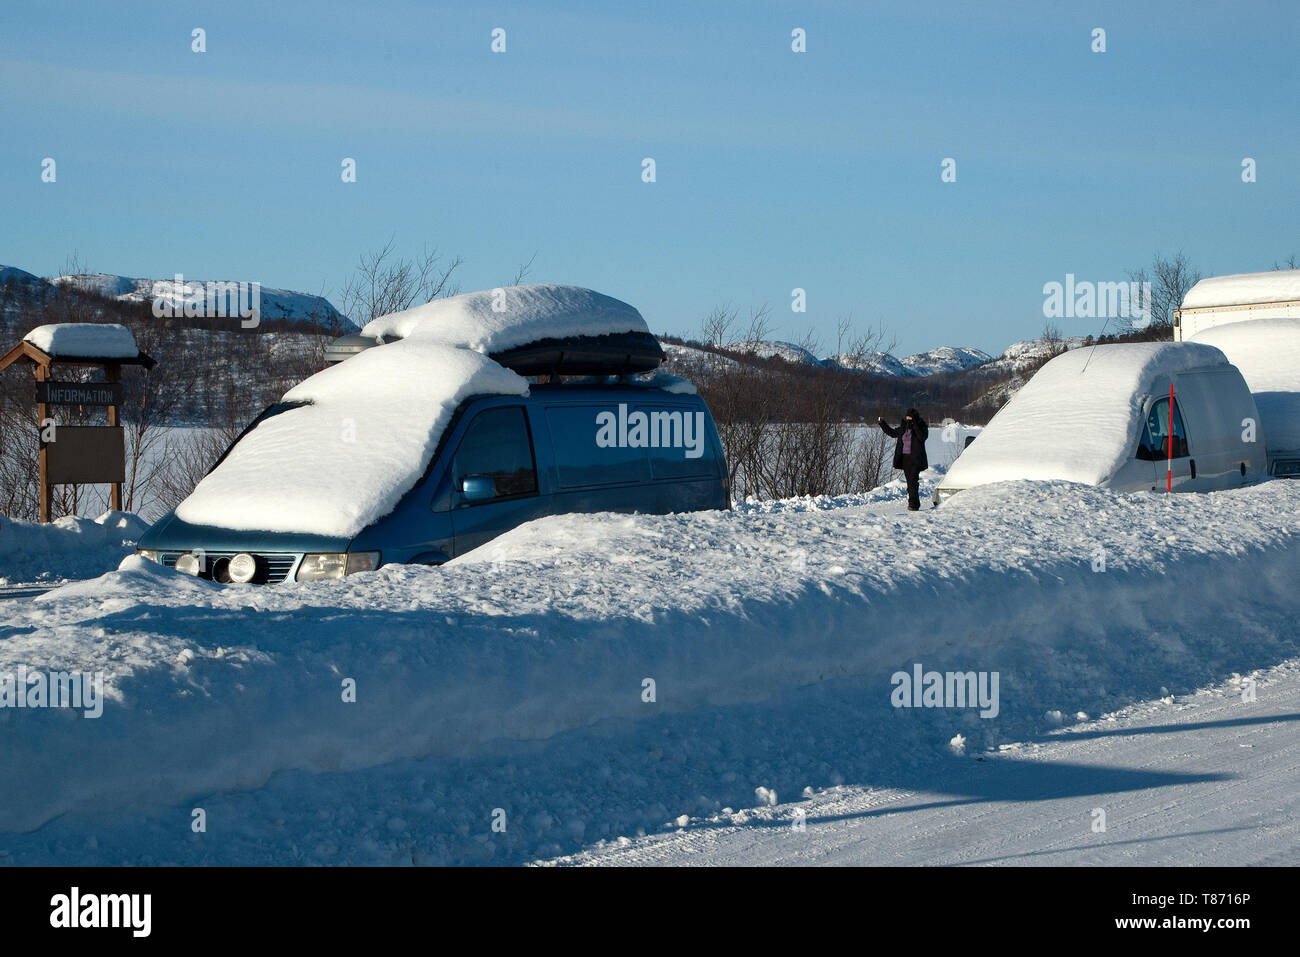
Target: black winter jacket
<point>919,433</point>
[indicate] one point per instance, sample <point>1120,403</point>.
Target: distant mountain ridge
<point>932,362</point>
<point>275,304</point>
<point>285,304</point>
<point>290,305</point>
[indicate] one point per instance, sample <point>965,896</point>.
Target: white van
<point>1100,415</point>
<point>1267,351</point>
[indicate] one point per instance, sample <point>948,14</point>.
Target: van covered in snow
<point>1222,300</point>
<point>423,447</point>
<point>1267,351</point>
<point>1100,415</point>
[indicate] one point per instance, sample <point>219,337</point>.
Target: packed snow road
<point>1205,779</point>
<point>587,678</point>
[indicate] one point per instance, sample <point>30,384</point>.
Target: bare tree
<point>1170,279</point>
<point>385,282</point>
<point>788,428</point>
<point>1052,340</point>
<point>190,454</point>
<point>522,272</point>
<point>1290,263</point>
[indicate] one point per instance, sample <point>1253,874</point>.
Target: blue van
<point>503,460</point>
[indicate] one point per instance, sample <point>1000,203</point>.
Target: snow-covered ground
<point>68,548</point>
<point>1202,779</point>
<point>511,686</point>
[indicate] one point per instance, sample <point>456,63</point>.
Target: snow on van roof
<point>84,340</point>
<point>1242,289</point>
<point>493,320</point>
<point>1079,417</point>
<point>1267,351</point>
<point>343,461</point>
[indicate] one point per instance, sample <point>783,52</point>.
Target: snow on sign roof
<point>1267,351</point>
<point>1072,424</point>
<point>1242,289</point>
<point>494,320</point>
<point>84,340</point>
<point>345,460</point>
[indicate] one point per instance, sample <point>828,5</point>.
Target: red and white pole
<point>1170,441</point>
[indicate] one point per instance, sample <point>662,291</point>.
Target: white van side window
<point>1155,435</point>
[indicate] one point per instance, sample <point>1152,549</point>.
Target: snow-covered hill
<point>12,274</point>
<point>944,359</point>
<point>932,362</point>
<point>775,349</point>
<point>275,303</point>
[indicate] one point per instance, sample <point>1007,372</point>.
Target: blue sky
<point>775,170</point>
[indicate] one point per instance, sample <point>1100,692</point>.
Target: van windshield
<point>271,410</point>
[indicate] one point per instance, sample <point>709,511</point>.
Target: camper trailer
<point>1267,351</point>
<point>1221,300</point>
<point>1101,415</point>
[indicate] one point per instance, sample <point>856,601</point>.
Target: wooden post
<point>113,373</point>
<point>47,499</point>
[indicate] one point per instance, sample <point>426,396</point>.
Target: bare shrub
<point>788,429</point>
<point>385,282</point>
<point>190,453</point>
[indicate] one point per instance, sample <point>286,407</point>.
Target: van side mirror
<point>478,488</point>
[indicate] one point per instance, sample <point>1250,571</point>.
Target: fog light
<point>189,564</point>
<point>242,568</point>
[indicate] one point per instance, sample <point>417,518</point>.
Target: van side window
<point>497,447</point>
<point>1155,436</point>
<point>582,460</point>
<point>680,446</point>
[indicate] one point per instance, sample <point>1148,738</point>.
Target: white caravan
<point>1220,300</point>
<point>1100,415</point>
<point>1267,351</point>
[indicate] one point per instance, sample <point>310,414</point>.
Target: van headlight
<point>242,568</point>
<point>322,566</point>
<point>148,553</point>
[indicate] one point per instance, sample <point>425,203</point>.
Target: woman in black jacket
<point>909,452</point>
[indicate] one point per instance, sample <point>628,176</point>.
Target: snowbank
<point>84,340</point>
<point>1267,351</point>
<point>344,459</point>
<point>65,548</point>
<point>1079,417</point>
<point>495,320</point>
<point>1276,285</point>
<point>555,627</point>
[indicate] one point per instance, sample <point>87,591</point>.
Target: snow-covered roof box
<point>346,444</point>
<point>531,329</point>
<point>1083,416</point>
<point>1267,352</point>
<point>84,340</point>
<point>1219,300</point>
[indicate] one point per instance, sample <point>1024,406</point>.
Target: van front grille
<point>279,565</point>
